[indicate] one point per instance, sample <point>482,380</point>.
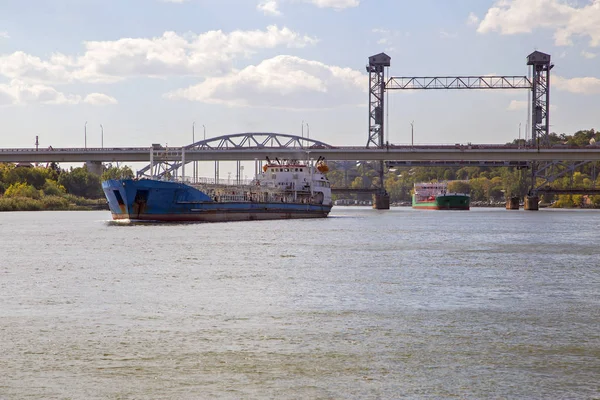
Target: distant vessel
<point>283,190</point>
<point>435,196</point>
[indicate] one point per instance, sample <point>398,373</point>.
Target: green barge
<point>435,196</point>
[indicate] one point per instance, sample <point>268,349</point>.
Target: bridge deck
<point>466,153</point>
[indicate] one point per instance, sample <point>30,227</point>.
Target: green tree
<point>117,173</point>
<point>459,187</point>
<point>81,182</point>
<point>35,177</point>
<point>52,188</point>
<point>22,190</point>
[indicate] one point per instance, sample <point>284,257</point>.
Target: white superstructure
<point>297,181</point>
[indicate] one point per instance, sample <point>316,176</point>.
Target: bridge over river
<point>455,153</point>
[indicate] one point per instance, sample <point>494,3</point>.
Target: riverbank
<point>52,203</point>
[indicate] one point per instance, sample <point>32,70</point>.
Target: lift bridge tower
<point>538,84</point>
<point>376,69</point>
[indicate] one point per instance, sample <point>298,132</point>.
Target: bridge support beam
<point>531,203</point>
<point>381,201</point>
<point>512,203</point>
<point>95,167</point>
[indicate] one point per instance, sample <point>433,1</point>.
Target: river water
<point>486,303</point>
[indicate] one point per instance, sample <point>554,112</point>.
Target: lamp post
<point>307,131</point>
<point>203,127</point>
<point>412,133</point>
<point>193,132</point>
<point>101,136</point>
<point>85,135</point>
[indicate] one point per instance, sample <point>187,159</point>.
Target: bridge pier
<point>381,201</point>
<point>512,203</point>
<point>95,167</point>
<point>531,203</point>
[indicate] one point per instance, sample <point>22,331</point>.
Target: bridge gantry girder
<point>159,168</point>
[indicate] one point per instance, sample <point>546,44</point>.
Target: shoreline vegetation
<point>52,203</point>
<point>25,187</point>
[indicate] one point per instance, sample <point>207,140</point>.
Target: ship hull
<point>443,202</point>
<point>150,200</point>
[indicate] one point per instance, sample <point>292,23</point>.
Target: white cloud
<point>472,19</point>
<point>99,99</point>
<point>17,92</point>
<point>269,7</point>
<point>20,65</point>
<point>21,93</point>
<point>282,82</point>
<point>337,4</point>
<point>588,55</point>
<point>4,35</point>
<point>522,16</point>
<point>584,85</point>
<point>208,54</point>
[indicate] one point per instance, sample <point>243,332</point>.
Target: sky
<point>148,70</point>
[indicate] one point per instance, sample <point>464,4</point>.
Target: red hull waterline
<point>440,208</point>
<point>218,217</point>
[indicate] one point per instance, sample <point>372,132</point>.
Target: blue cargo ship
<point>283,190</point>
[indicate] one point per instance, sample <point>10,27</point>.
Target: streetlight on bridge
<point>85,135</point>
<point>101,136</point>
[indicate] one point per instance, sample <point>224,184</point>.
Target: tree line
<point>29,187</point>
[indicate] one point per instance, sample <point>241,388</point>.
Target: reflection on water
<point>365,304</point>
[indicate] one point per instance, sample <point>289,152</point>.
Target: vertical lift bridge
<point>539,84</point>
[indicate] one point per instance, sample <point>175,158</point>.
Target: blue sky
<point>147,69</point>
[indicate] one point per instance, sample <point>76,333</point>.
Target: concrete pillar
<point>381,201</point>
<point>531,203</point>
<point>95,167</point>
<point>512,203</point>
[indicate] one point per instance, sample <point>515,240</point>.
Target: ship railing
<point>201,180</point>
<point>230,198</point>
